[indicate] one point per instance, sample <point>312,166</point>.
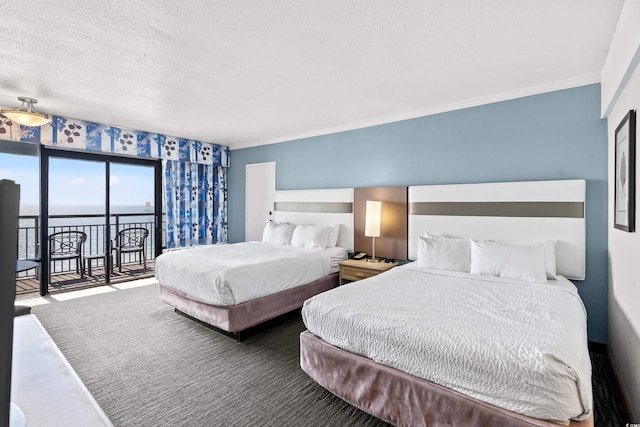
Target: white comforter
<point>233,274</point>
<point>517,345</point>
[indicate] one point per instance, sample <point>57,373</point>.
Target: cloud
<point>114,180</point>
<point>78,181</point>
<point>4,173</point>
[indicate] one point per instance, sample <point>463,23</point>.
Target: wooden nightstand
<point>353,270</point>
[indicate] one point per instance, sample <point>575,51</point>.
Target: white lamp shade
<point>26,115</point>
<point>26,118</point>
<point>372,219</point>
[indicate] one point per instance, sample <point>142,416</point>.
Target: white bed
<point>496,348</point>
<point>236,286</point>
<point>232,274</point>
<point>479,349</point>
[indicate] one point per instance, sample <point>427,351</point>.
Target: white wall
<point>621,93</point>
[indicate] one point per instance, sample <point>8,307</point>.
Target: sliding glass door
<point>19,163</point>
<point>76,222</point>
<point>100,218</point>
<point>132,220</point>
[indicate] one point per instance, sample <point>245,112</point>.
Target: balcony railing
<point>91,224</point>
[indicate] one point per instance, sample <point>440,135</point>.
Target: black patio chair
<point>67,245</point>
<point>130,241</point>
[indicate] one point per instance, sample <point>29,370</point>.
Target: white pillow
<point>549,252</point>
<point>549,256</point>
<point>332,241</point>
<point>509,260</point>
<point>276,233</point>
<point>310,236</point>
<point>444,254</point>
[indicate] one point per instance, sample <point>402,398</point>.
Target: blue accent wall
<point>556,135</point>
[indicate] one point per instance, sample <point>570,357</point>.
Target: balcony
<point>63,273</point>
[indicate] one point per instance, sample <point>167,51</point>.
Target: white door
<point>260,189</point>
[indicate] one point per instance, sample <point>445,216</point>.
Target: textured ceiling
<point>244,73</point>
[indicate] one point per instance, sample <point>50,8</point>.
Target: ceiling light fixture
<point>26,115</point>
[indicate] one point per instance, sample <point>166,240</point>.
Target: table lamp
<point>372,225</point>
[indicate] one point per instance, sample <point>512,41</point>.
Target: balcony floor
<point>29,287</point>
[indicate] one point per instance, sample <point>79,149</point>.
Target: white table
<point>44,385</point>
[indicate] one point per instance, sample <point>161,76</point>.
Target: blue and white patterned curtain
<point>194,172</point>
<point>195,193</point>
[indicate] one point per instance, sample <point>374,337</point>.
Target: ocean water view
<point>147,208</point>
<point>77,192</point>
<point>87,218</point>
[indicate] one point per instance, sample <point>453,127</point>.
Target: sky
<point>78,182</point>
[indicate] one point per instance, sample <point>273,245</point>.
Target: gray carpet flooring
<point>148,366</point>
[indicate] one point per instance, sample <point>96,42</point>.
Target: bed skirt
<point>397,397</point>
<point>237,318</point>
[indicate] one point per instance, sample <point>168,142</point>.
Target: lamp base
<point>373,259</point>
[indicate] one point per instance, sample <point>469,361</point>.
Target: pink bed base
<point>397,397</point>
<point>237,318</point>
